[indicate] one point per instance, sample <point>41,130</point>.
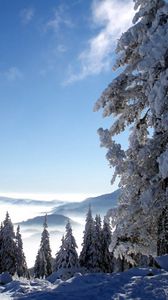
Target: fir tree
<point>138,97</point>
<point>43,263</point>
<point>106,241</point>
<point>70,248</point>
<point>97,255</point>
<point>8,247</point>
<point>1,243</point>
<point>40,267</point>
<point>86,255</point>
<point>21,265</point>
<point>60,257</point>
<point>67,257</point>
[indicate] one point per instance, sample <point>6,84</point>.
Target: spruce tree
<point>67,257</point>
<point>86,255</point>
<point>40,267</point>
<point>21,265</point>
<point>43,263</point>
<point>106,241</point>
<point>1,243</point>
<point>8,247</point>
<point>137,97</point>
<point>97,255</point>
<point>60,257</point>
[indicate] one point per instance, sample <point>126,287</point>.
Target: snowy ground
<point>133,284</point>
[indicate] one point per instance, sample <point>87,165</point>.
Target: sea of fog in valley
<point>29,214</point>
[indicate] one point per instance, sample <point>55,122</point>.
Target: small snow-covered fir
<point>67,256</point>
<point>43,263</point>
<point>86,255</point>
<point>21,268</point>
<point>8,247</point>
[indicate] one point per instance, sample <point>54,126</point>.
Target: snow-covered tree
<point>106,240</point>
<point>97,249</point>
<point>40,267</point>
<point>60,256</point>
<point>138,97</point>
<point>86,255</point>
<point>8,250</point>
<point>21,265</point>
<point>67,257</point>
<point>43,263</point>
<point>1,242</point>
<point>162,245</point>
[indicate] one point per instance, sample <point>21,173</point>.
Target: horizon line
<point>69,197</point>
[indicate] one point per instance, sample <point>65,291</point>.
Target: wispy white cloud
<point>112,17</point>
<point>60,19</point>
<point>61,48</point>
<point>12,74</point>
<point>27,15</point>
<point>57,24</point>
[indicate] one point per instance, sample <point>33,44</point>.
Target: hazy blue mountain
<point>30,202</point>
<point>100,205</point>
<point>52,220</point>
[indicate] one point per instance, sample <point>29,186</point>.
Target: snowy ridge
<point>140,284</point>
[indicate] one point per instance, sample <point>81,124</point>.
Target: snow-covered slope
<point>135,284</point>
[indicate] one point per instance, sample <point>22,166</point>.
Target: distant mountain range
<point>99,205</point>
<point>30,202</point>
<point>60,214</point>
<point>53,220</point>
<point>62,211</point>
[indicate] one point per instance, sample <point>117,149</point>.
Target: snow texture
<point>137,284</point>
<point>5,278</point>
<point>162,261</point>
<point>163,164</point>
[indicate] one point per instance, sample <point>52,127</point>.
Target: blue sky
<point>55,60</point>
